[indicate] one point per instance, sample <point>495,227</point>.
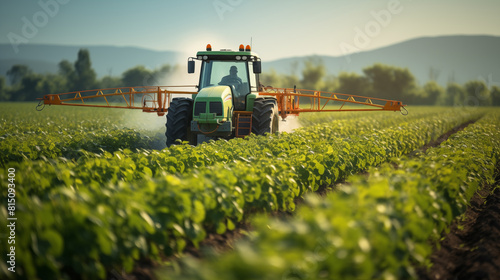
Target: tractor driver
<point>232,79</point>
<point>235,82</point>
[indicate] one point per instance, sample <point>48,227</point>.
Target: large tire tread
<point>179,118</point>
<point>265,116</point>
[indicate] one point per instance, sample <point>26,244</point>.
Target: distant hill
<point>461,58</point>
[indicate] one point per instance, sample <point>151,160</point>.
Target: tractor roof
<point>244,54</point>
<point>227,55</point>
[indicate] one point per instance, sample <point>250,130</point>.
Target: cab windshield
<point>227,73</point>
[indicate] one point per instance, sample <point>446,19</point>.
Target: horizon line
<point>308,55</point>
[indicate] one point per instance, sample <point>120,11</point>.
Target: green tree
<point>271,78</point>
<point>4,96</point>
<point>274,79</point>
<point>454,95</point>
<point>476,94</point>
<point>289,81</point>
<point>137,76</point>
<point>49,84</point>
<point>27,90</point>
<point>85,76</point>
<point>35,86</point>
<point>66,69</point>
<point>17,73</point>
<point>495,96</point>
<point>432,91</point>
<point>313,73</point>
<point>67,72</point>
<point>110,82</point>
<point>390,82</point>
<point>330,83</point>
<point>352,83</point>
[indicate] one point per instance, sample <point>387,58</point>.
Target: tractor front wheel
<point>179,116</point>
<point>265,116</point>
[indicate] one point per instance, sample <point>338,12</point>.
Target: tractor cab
<point>238,70</point>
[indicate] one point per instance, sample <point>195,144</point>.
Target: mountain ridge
<point>458,58</point>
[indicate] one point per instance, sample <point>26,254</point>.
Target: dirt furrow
<point>471,250</point>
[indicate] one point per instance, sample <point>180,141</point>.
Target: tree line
<point>25,85</point>
<point>387,82</point>
<point>378,80</point>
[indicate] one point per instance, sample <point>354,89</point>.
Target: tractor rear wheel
<point>179,116</point>
<point>265,116</point>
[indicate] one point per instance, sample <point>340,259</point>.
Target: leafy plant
<point>377,226</point>
<point>106,210</point>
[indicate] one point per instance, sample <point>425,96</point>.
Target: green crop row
<point>92,224</point>
<point>328,117</point>
<point>70,133</point>
<point>26,134</point>
<point>375,227</point>
<point>130,166</point>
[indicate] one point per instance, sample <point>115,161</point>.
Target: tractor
<point>227,104</point>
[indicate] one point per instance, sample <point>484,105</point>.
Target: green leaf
<point>147,171</point>
<point>221,228</point>
<point>55,240</point>
<point>230,225</point>
<point>198,214</point>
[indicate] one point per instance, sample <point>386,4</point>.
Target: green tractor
<point>227,104</point>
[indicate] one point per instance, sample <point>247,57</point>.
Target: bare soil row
<point>471,250</point>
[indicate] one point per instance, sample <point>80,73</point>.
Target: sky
<point>276,29</point>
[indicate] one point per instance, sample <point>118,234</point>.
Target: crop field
<point>345,196</point>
